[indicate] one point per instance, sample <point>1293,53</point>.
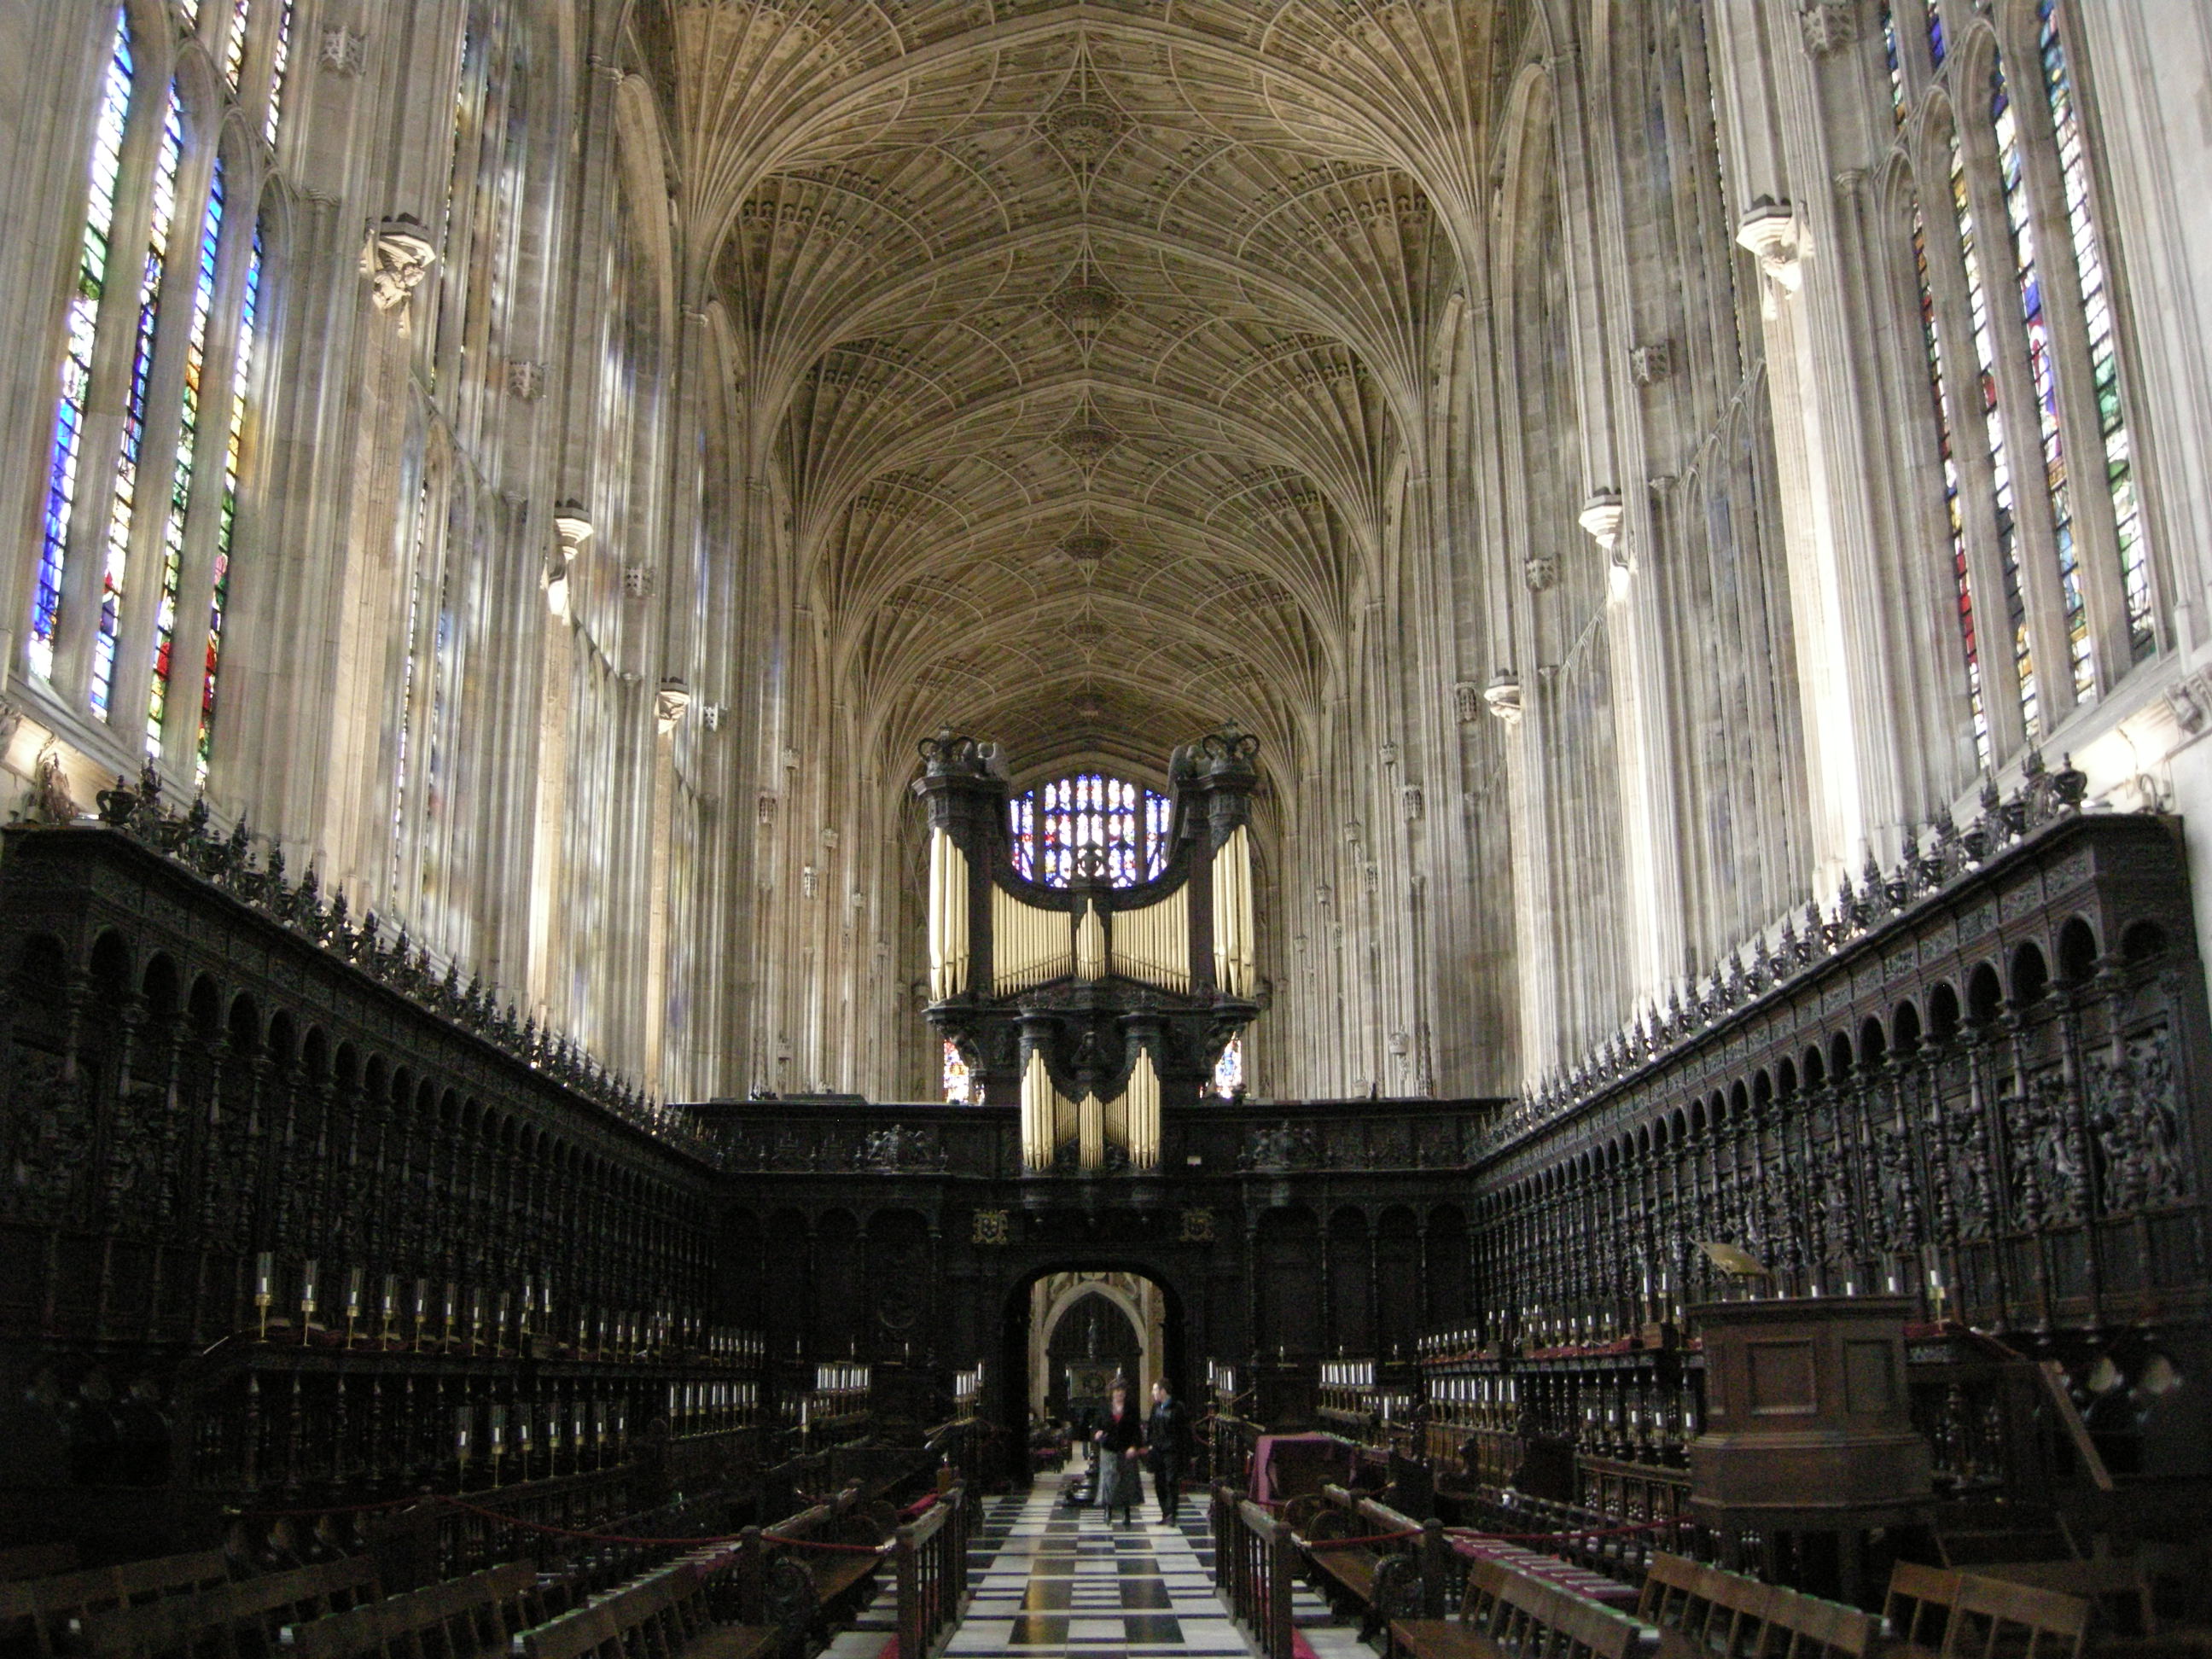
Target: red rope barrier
<point>340,1509</point>
<point>1556,1537</point>
<point>592,1537</point>
<point>501,1519</point>
<point>1326,1544</point>
<point>824,1544</point>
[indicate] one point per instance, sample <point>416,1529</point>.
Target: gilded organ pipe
<point>1141,1108</point>
<point>1039,1099</point>
<point>1090,1134</point>
<point>1234,968</point>
<point>948,917</point>
<point>1153,944</point>
<point>1029,945</point>
<point>1090,943</point>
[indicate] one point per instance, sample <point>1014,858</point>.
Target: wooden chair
<point>237,1621</point>
<point>37,1560</point>
<point>587,1633</point>
<point>475,1615</point>
<point>1918,1608</point>
<point>1993,1620</point>
<point>45,1617</point>
<point>1506,1615</point>
<point>1670,1583</point>
<point>2115,1586</point>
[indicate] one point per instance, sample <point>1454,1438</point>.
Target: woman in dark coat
<point>1119,1438</point>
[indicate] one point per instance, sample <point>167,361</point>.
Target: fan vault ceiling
<point>1089,343</point>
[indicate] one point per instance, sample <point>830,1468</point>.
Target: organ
<point>1091,1006</point>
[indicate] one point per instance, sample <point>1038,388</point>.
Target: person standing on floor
<point>1167,1437</point>
<point>1119,1438</point>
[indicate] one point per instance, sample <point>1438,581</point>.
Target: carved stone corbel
<point>1773,231</point>
<point>1828,25</point>
<point>396,259</point>
<point>1503,697</point>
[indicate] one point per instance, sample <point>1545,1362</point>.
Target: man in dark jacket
<point>1167,1439</point>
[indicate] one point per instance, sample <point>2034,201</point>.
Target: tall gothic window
<point>1229,1070</point>
<point>81,336</point>
<point>960,1086</point>
<point>2022,358</point>
<point>1090,824</point>
<point>139,530</point>
<point>123,501</point>
<point>180,483</point>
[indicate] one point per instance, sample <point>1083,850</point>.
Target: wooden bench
<point>477,1614</point>
<point>1506,1615</point>
<point>37,1560</point>
<point>1916,1607</point>
<point>664,1615</point>
<point>236,1621</point>
<point>1981,1618</point>
<point>1595,1539</point>
<point>44,1616</point>
<point>1708,1613</point>
<point>1993,1620</point>
<point>1403,1578</point>
<point>2118,1588</point>
<point>837,1574</point>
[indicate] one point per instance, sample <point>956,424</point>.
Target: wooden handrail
<point>930,1555</point>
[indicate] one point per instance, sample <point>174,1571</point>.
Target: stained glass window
<point>124,506</point>
<point>960,1088</point>
<point>1977,299</point>
<point>407,676</point>
<point>1955,517</point>
<point>1090,825</point>
<point>180,473</point>
<point>226,528</point>
<point>2080,653</point>
<point>1896,62</point>
<point>1229,1070</point>
<point>233,47</point>
<point>1938,45</point>
<point>280,60</point>
<point>77,356</point>
<point>2104,347</point>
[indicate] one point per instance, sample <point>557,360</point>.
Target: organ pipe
<point>1234,968</point>
<point>948,917</point>
<point>1141,1107</point>
<point>1039,1098</point>
<point>1029,945</point>
<point>1153,944</point>
<point>1090,1134</point>
<point>1090,943</point>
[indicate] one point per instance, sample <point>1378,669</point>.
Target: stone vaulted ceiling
<point>1089,342</point>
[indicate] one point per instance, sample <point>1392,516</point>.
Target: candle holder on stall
<point>476,1319</point>
<point>264,1288</point>
<point>421,1310</point>
<point>355,1284</point>
<point>307,1288</point>
<point>389,1333</point>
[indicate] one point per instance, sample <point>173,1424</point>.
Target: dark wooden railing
<point>931,1558</point>
<point>1254,1566</point>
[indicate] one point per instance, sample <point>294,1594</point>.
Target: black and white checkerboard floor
<point>1047,1579</point>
